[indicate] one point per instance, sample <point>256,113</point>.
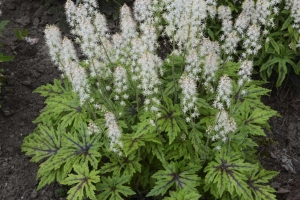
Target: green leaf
<point>126,165</point>
<point>175,174</point>
<point>2,25</point>
<point>43,143</point>
<point>84,183</point>
<point>275,45</point>
<point>21,33</point>
<point>4,58</point>
<point>258,184</point>
<point>184,194</point>
<point>269,63</point>
<point>282,71</point>
<point>287,22</point>
<point>255,92</point>
<point>132,142</point>
<point>158,151</point>
<point>78,149</point>
<point>227,173</point>
<point>171,120</point>
<point>62,150</point>
<point>62,107</point>
<point>180,148</point>
<point>113,188</point>
<point>267,44</point>
<point>47,174</point>
<point>211,34</point>
<point>260,116</point>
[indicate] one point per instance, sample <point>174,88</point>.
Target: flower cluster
<point>188,86</point>
<point>224,126</point>
<point>295,13</point>
<point>251,42</point>
<point>224,14</point>
<point>120,84</point>
<point>210,51</point>
<point>90,27</point>
<point>185,19</point>
<point>245,72</point>
<point>223,93</point>
<point>63,54</point>
<point>114,132</point>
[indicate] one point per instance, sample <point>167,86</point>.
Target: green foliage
<point>184,194</point>
<point>229,173</point>
<point>114,188</point>
<point>171,121</point>
<point>21,33</point>
<point>2,25</point>
<point>257,183</point>
<point>280,54</point>
<point>177,174</point>
<point>62,106</point>
<point>62,151</point>
<point>83,182</point>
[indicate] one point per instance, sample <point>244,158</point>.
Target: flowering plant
<point>129,118</point>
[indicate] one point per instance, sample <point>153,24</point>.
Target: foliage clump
<point>127,120</point>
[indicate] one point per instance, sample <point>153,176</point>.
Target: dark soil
<point>32,67</point>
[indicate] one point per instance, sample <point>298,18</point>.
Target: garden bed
<point>32,67</point>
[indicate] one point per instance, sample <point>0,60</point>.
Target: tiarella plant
<point>129,119</point>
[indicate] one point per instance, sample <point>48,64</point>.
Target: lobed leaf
<point>84,183</point>
<point>113,188</point>
<point>175,173</point>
